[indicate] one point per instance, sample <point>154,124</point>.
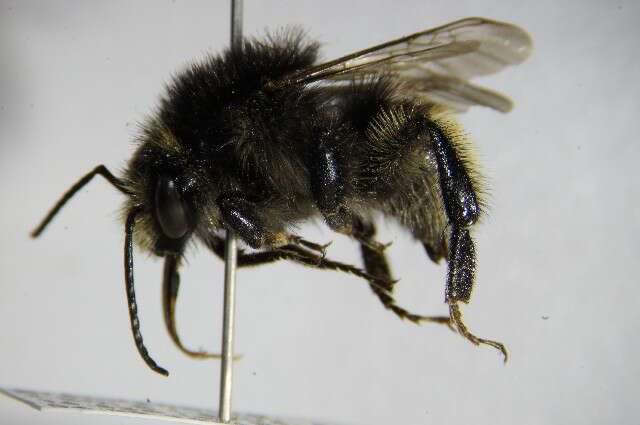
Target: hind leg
<point>422,171</point>
<point>462,209</point>
<point>343,169</point>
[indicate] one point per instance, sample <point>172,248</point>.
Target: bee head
<point>163,181</point>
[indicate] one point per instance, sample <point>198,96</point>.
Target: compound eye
<point>171,211</point>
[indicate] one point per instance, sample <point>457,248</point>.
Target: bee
<point>261,138</point>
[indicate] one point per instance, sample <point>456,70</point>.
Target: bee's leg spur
<point>462,210</point>
<point>322,249</point>
<point>244,217</point>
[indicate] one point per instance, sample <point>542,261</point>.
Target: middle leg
<point>376,264</point>
<point>376,269</point>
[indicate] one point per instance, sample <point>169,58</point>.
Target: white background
<point>558,253</point>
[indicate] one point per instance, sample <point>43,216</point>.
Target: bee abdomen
<point>405,145</point>
<point>394,149</point>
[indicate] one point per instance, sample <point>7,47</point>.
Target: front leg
<point>245,218</point>
<point>255,227</point>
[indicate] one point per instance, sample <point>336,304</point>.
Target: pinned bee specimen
<point>261,138</point>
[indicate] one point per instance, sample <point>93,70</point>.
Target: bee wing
<point>434,63</point>
<point>455,93</point>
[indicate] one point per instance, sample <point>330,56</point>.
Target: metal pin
<point>236,23</point>
<point>230,255</point>
<point>226,366</point>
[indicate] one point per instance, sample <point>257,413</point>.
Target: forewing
<point>439,60</point>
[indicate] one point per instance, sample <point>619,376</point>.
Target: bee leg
<point>308,258</point>
<point>170,287</point>
<point>287,252</point>
<point>330,187</point>
<point>380,285</point>
<point>244,217</point>
<point>376,264</point>
<point>299,255</point>
<point>459,282</point>
<point>216,245</point>
<point>380,282</point>
<point>462,210</point>
<point>329,182</point>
